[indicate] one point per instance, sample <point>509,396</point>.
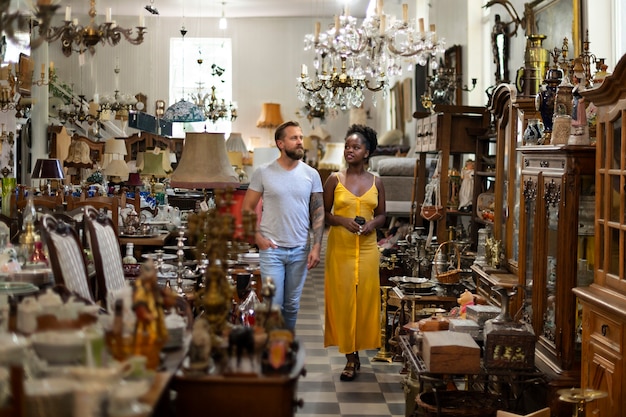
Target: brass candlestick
<point>383,355</point>
<point>580,397</point>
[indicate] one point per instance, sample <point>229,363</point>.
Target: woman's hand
<point>353,227</point>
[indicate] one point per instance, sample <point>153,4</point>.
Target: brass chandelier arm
<point>78,38</point>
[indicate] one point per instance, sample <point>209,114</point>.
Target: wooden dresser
<point>604,301</point>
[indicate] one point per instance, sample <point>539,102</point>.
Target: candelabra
<point>77,112</point>
<point>78,38</point>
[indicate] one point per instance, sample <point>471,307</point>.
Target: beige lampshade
<point>320,134</point>
<point>333,158</point>
<point>78,155</point>
<point>307,143</point>
<point>155,163</point>
<point>270,116</point>
<point>115,146</point>
<point>235,158</point>
<point>204,163</point>
<point>117,168</point>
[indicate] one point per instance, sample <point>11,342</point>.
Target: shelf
<point>486,174</point>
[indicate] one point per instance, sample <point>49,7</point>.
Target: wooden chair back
<point>107,256</point>
<point>67,258</point>
<point>101,203</point>
<point>126,201</point>
<point>42,203</point>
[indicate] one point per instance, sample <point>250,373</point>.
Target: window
<point>190,78</point>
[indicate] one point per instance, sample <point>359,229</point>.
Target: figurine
<point>467,186</point>
<point>200,347</point>
<point>466,299</point>
<point>149,302</point>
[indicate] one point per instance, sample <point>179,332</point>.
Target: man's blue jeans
<point>287,267</point>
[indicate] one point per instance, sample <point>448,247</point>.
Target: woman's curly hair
<point>368,134</point>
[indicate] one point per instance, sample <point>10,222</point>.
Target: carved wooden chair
<point>42,202</point>
<point>107,257</point>
<point>67,258</point>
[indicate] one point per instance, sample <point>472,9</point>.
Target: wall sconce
<point>469,90</point>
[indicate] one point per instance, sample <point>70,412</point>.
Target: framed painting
<point>453,61</point>
<point>559,19</point>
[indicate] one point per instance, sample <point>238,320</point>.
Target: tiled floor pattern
<point>376,392</point>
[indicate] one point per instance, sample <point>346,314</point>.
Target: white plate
<point>18,288</point>
<point>165,256</point>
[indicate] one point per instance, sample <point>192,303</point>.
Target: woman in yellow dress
<point>354,204</point>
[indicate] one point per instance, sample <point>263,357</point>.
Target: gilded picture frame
<point>558,19</point>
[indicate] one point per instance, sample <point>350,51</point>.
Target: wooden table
<point>142,243</point>
<point>239,395</point>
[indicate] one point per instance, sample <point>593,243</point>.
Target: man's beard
<point>296,154</point>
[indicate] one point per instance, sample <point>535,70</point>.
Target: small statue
<point>200,347</point>
<point>467,186</point>
<point>149,302</point>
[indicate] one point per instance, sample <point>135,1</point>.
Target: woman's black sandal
<point>351,368</point>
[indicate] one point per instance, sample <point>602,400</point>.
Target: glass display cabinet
<point>556,225</point>
<point>510,115</point>
<point>604,301</point>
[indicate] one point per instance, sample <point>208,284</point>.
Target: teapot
<point>169,214</point>
<point>131,222</point>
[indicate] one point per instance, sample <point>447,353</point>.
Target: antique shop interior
<point>129,276</point>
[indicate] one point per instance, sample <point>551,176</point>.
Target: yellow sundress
<point>352,286</point>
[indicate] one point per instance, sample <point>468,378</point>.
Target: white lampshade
<point>333,158</point>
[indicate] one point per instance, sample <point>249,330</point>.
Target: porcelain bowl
<point>60,347</point>
<point>12,348</point>
<point>54,395</point>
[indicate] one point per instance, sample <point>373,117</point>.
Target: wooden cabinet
<point>139,142</point>
<point>557,234</point>
<point>451,131</point>
<point>604,301</point>
<point>510,115</point>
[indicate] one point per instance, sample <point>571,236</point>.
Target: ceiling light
<point>223,22</point>
<point>150,7</point>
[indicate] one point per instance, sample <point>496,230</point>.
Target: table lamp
<point>48,169</point>
<point>114,149</point>
<point>270,117</point>
<point>333,157</point>
<point>204,163</point>
<point>154,164</point>
<point>117,171</point>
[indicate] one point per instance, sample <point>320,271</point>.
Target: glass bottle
<point>129,258</point>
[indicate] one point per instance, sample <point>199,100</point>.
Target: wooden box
<point>449,352</point>
<point>509,346</point>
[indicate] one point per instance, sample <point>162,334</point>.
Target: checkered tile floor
<point>377,391</point>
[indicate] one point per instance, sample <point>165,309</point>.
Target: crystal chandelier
<point>213,108</point>
<point>363,57</point>
<point>118,103</point>
<point>78,38</point>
